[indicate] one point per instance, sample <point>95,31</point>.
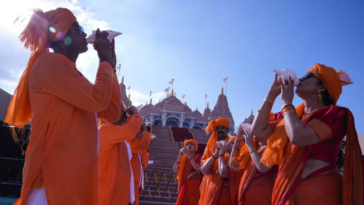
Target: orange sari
<point>188,189</point>
<point>256,187</point>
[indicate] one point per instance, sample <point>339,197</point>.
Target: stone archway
<point>172,120</point>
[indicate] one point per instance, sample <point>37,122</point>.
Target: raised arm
<point>65,82</point>
<point>112,113</point>
<point>260,126</point>
<point>206,168</point>
<point>143,144</point>
<point>124,132</point>
<point>178,161</point>
<point>297,132</point>
<point>223,170</point>
<point>254,154</point>
<point>196,165</point>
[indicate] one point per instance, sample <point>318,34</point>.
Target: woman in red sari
<point>305,141</point>
<point>187,167</point>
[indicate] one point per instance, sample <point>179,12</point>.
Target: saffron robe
<point>114,171</point>
<point>137,147</point>
<point>62,152</point>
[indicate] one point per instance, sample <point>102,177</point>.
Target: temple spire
<point>150,100</point>
<point>222,90</point>
<point>122,80</point>
<point>129,97</point>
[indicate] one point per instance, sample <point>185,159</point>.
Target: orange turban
<point>332,80</point>
<point>193,141</point>
<point>218,122</point>
<point>43,27</point>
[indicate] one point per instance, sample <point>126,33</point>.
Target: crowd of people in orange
<point>293,157</point>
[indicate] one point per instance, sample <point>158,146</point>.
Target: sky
<point>198,43</point>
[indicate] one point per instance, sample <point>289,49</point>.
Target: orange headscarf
<point>333,81</point>
<point>211,144</point>
<point>43,27</point>
<point>184,158</point>
<point>242,158</point>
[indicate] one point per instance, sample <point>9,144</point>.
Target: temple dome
<point>174,104</point>
<point>146,109</point>
<point>221,109</point>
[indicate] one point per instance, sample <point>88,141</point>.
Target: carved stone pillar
<point>164,118</point>
<point>192,123</point>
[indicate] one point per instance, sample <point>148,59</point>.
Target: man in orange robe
<point>61,158</point>
<point>139,145</point>
<point>214,186</point>
<point>114,171</point>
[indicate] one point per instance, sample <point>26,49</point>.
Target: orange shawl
<point>242,158</point>
<point>36,36</point>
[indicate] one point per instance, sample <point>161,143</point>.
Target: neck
<point>312,103</point>
<point>72,56</point>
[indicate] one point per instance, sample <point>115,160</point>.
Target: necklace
<point>307,114</point>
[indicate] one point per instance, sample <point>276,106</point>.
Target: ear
<point>322,89</point>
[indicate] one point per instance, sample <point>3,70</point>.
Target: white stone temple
<point>172,112</point>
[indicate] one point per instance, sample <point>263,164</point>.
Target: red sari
<point>188,189</point>
<point>324,186</point>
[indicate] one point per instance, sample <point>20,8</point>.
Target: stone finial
<point>207,105</point>
<point>252,112</point>
<point>222,91</point>
<point>129,96</point>
<point>122,80</point>
<point>150,100</point>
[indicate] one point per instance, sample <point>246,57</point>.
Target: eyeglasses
<point>80,30</point>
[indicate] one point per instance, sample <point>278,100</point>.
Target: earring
<point>319,96</point>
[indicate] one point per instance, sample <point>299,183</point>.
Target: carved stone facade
<point>172,112</point>
<point>221,109</point>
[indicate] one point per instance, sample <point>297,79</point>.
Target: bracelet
<point>269,100</point>
<point>214,157</point>
<point>221,155</point>
<point>251,151</point>
<point>178,162</point>
<point>287,109</point>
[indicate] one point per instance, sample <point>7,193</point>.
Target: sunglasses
<point>309,75</point>
<point>80,30</point>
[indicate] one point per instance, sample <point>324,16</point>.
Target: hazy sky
<point>198,43</point>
